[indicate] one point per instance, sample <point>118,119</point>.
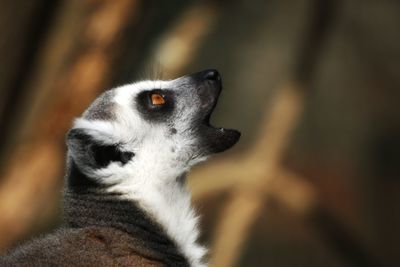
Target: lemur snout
<point>208,86</point>
<point>210,76</point>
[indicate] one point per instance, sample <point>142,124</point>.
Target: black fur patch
<point>156,113</point>
<point>93,153</point>
<point>78,182</point>
<point>104,155</point>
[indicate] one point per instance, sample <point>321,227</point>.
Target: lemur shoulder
<point>125,198</point>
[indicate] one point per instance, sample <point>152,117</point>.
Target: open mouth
<point>220,139</point>
<point>216,139</point>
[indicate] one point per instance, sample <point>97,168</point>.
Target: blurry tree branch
<point>177,47</point>
<point>32,170</point>
<point>22,27</point>
<point>257,174</point>
<point>250,194</point>
<point>265,153</point>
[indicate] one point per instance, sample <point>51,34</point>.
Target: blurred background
<point>313,85</point>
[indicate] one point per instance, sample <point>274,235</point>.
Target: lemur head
<point>150,129</point>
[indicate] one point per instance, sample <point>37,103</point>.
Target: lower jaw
<point>217,140</point>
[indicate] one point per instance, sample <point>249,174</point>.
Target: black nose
<point>209,77</point>
<point>212,75</point>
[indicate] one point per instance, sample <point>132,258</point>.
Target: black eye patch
<point>105,154</point>
<point>156,112</point>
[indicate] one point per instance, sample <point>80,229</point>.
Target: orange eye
<point>157,99</point>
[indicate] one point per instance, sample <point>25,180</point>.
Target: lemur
<point>125,198</point>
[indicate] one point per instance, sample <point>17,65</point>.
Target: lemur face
<point>150,128</point>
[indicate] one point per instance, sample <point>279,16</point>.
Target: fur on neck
<point>169,204</point>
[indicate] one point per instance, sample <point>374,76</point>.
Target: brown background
<point>313,85</point>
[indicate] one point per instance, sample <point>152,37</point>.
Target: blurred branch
<point>259,175</point>
<point>179,45</point>
<point>23,26</point>
<point>250,194</point>
<point>262,158</point>
<point>236,220</point>
<point>31,175</point>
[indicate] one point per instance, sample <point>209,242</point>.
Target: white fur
<point>151,177</point>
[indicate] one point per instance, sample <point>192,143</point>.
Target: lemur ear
<point>93,153</point>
